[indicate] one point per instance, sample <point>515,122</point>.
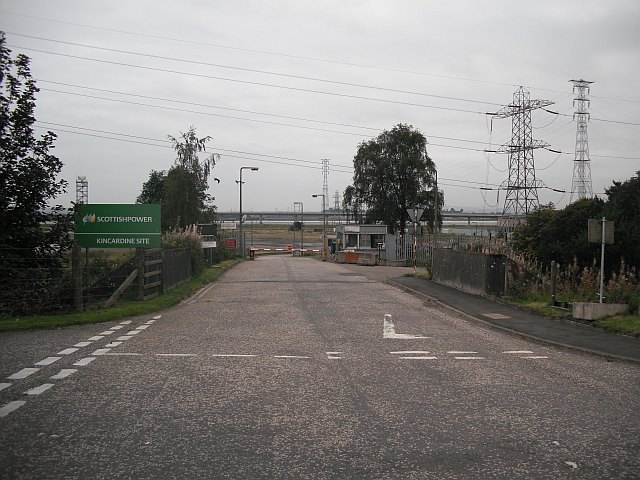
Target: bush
<point>186,238</point>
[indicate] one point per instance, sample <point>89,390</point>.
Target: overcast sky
<point>280,85</point>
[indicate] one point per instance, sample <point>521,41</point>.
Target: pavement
<point>564,333</point>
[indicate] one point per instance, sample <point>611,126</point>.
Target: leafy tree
<point>31,255</point>
<point>182,191</point>
<point>623,207</point>
<point>392,173</point>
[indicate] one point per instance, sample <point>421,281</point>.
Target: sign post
<point>600,231</point>
<point>415,214</point>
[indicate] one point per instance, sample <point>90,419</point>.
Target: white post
<point>604,221</point>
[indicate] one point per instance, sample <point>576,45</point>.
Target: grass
<point>539,305</point>
<point>128,309</point>
<point>626,324</point>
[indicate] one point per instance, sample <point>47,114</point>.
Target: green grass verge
<point>627,324</point>
<point>128,309</point>
<point>540,306</point>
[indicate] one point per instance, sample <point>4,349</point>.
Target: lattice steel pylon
<point>325,182</point>
<point>581,184</point>
<point>82,190</point>
<point>522,184</point>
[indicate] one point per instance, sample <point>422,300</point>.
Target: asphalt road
<point>284,369</point>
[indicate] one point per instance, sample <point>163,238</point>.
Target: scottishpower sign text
<point>117,226</point>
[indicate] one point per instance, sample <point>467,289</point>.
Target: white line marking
<point>176,354</point>
<point>64,373</point>
<point>418,358</point>
<point>95,337</point>
<point>469,358</point>
<point>124,337</point>
<point>126,322</point>
<point>150,322</point>
<point>113,344</point>
<point>24,373</point>
<point>388,330</point>
<point>5,385</point>
<point>535,357</point>
<point>232,355</point>
<point>157,317</point>
<point>409,352</point>
<point>82,344</point>
<point>290,356</point>
<point>133,332</point>
<point>48,361</point>
<point>38,390</point>
<point>68,351</point>
<point>101,351</point>
<point>117,327</point>
<point>518,351</point>
<point>142,327</point>
<point>123,354</point>
<point>10,407</point>
<point>333,353</point>
<point>106,332</point>
<point>460,352</point>
<point>84,362</point>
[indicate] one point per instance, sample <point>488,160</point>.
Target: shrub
<point>186,238</point>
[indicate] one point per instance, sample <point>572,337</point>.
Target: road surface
<point>287,368</point>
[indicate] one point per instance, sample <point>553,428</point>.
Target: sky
<point>281,85</point>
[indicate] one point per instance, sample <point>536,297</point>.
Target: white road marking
<point>38,390</point>
<point>101,351</point>
<point>84,362</point>
<point>133,332</point>
<point>290,356</point>
<point>409,352</point>
<point>176,355</point>
<point>572,464</point>
<point>124,337</point>
<point>126,322</point>
<point>333,353</point>
<point>330,357</point>
<point>518,351</point>
<point>95,337</point>
<point>142,327</point>
<point>232,355</point>
<point>68,351</point>
<point>106,332</point>
<point>469,358</point>
<point>150,322</point>
<point>48,361</point>
<point>10,407</point>
<point>157,317</point>
<point>5,385</point>
<point>388,330</point>
<point>64,373</point>
<point>535,357</point>
<point>418,358</point>
<point>113,344</point>
<point>24,373</point>
<point>117,327</point>
<point>124,354</point>
<point>82,344</point>
<point>460,352</point>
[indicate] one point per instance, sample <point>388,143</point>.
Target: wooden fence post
<point>76,272</point>
<point>140,267</point>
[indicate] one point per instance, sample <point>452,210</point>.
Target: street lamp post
<point>324,227</point>
<point>255,169</point>
<point>301,225</point>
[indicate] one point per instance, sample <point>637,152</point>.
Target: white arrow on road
<point>388,330</point>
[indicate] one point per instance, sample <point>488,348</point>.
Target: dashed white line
<point>126,322</point>
<point>123,354</point>
<point>409,352</point>
<point>518,351</point>
<point>460,352</point>
<point>10,407</point>
<point>142,327</point>
<point>291,356</point>
<point>24,373</point>
<point>176,355</point>
<point>150,322</point>
<point>535,357</point>
<point>5,385</point>
<point>233,355</point>
<point>418,358</point>
<point>64,373</point>
<point>101,351</point>
<point>106,332</point>
<point>48,361</point>
<point>68,351</point>
<point>95,338</point>
<point>113,344</point>
<point>133,332</point>
<point>117,327</point>
<point>124,337</point>
<point>40,389</point>
<point>84,361</point>
<point>157,317</point>
<point>82,344</point>
<point>469,358</point>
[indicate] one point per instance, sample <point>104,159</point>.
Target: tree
<point>182,191</point>
<point>31,255</point>
<point>392,173</point>
<point>623,207</point>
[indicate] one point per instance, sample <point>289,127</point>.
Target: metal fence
<point>176,268</point>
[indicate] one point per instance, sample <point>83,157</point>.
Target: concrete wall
<point>596,311</point>
<point>473,272</point>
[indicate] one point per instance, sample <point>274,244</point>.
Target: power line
<point>247,82</point>
<point>252,70</point>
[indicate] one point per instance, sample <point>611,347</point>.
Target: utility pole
<point>581,184</point>
<point>522,184</point>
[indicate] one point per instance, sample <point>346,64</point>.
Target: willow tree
<point>393,173</point>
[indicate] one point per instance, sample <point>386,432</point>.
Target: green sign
<point>117,226</point>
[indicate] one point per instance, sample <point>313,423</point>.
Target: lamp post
<point>301,225</point>
<point>324,227</point>
<point>255,169</point>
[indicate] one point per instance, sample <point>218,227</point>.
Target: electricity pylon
<point>581,184</point>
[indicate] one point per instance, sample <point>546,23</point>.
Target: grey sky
<point>475,52</point>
